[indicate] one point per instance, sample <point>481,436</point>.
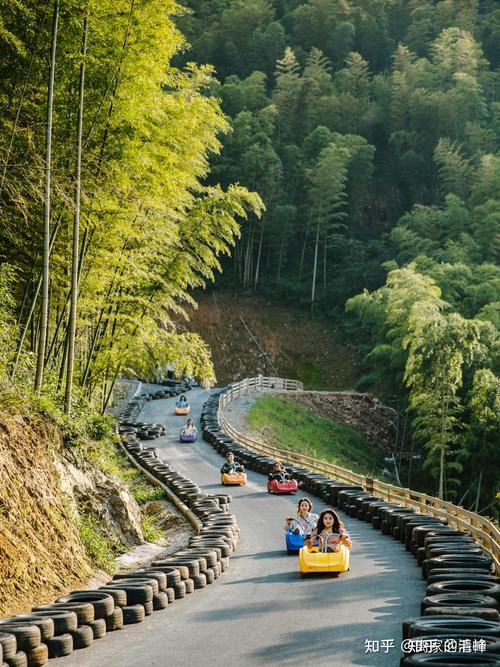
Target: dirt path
<point>236,413</point>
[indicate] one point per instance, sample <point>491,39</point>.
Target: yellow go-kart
<point>323,558</point>
<point>233,478</point>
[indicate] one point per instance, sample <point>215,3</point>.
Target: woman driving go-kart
<point>182,406</point>
<point>329,532</point>
<point>326,549</point>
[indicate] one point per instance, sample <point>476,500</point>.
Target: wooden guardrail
<point>484,531</point>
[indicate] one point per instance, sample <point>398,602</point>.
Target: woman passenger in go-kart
<point>231,466</point>
<point>305,520</point>
<point>182,402</point>
<point>329,532</point>
<point>278,472</point>
<point>190,428</point>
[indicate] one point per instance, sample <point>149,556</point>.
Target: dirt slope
<point>40,548</point>
<point>299,346</point>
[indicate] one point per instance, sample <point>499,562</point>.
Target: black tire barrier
<point>224,548</point>
<point>371,512</point>
<point>410,522</point>
<point>8,643</point>
<point>133,614</point>
<point>119,596</point>
<point>64,621</point>
<point>137,591</point>
<point>199,580</point>
<point>191,564</point>
<point>102,602</point>
<point>60,645</point>
<point>83,610</point>
<point>160,601</point>
<point>494,647</point>
<point>450,625</point>
<point>434,537</point>
<point>474,587</point>
<point>202,548</point>
<point>38,656</point>
<point>115,620</point>
<point>44,624</point>
<point>27,635</point>
<point>19,659</point>
<point>148,608</point>
<point>209,556</point>
<point>98,628</point>
<point>180,589</point>
<point>144,575</point>
<point>466,600</point>
<point>450,660</point>
<point>444,550</point>
<point>82,637</point>
<point>457,573</point>
<point>210,575</point>
<point>182,570</point>
<point>486,613</point>
<point>172,575</point>
<point>457,560</point>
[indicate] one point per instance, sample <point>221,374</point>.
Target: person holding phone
<point>329,532</point>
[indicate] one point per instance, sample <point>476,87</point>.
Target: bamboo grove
<point>107,222</point>
<point>371,129</point>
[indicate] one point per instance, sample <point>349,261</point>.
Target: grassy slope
<point>291,426</point>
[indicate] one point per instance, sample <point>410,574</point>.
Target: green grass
<point>100,546</point>
<point>287,425</point>
<point>309,375</point>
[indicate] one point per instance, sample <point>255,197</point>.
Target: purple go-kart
<point>190,436</point>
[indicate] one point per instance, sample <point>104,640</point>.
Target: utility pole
<point>263,353</point>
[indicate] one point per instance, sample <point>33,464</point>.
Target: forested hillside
<point>371,130</point>
<point>357,143</point>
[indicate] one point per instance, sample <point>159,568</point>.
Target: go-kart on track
<point>260,611</point>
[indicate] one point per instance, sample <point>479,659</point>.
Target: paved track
<point>260,612</point>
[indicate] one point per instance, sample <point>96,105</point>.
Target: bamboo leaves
<point>146,229</point>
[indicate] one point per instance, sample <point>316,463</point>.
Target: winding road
<point>260,612</point>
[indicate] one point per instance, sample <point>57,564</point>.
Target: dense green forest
<point>371,130</point>
<point>357,142</point>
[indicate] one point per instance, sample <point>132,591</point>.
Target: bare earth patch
<point>299,346</point>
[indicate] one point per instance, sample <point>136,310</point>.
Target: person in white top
<point>305,520</point>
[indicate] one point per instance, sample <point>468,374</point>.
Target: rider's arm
<point>312,539</point>
<point>345,539</point>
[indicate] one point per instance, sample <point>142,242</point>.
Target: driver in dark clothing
<point>231,466</point>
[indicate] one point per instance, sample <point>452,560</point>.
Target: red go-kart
<point>282,486</point>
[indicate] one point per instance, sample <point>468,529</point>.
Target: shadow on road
<point>330,645</point>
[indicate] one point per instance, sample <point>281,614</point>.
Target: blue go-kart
<point>294,540</point>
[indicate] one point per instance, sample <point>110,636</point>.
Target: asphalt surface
<point>260,611</point>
